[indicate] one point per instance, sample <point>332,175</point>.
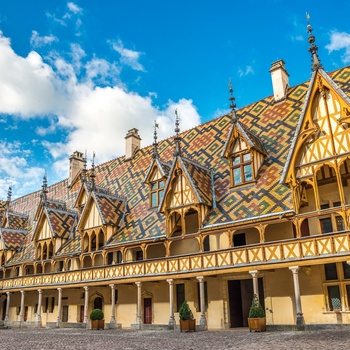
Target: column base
<point>300,322</point>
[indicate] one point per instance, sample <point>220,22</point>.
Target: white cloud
<point>74,8</point>
<point>87,116</point>
<point>128,57</point>
<point>245,71</point>
<point>340,41</point>
<point>37,41</point>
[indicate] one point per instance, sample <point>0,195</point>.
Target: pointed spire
<point>177,151</point>
<point>8,201</point>
<point>83,174</point>
<point>44,190</point>
<point>232,105</point>
<point>92,175</point>
<point>155,142</point>
<point>315,62</point>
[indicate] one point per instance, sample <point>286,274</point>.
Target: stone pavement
<point>42,339</point>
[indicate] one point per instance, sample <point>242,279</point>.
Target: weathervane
<point>92,175</point>
<point>155,142</point>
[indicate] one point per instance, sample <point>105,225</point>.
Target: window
<point>241,168</point>
<point>206,244</point>
<point>199,296</point>
<point>326,225</point>
<point>337,282</point>
<point>157,193</point>
<point>180,295</point>
<point>139,255</point>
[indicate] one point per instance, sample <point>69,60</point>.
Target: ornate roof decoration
<point>315,61</point>
<point>239,130</point>
<point>177,139</point>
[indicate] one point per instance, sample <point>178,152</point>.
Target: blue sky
<point>78,75</point>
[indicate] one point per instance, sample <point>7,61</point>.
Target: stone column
<point>112,320</point>
<point>171,301</point>
<point>22,306</point>
<point>40,300</point>
<point>254,274</point>
<point>300,317</point>
<point>86,304</point>
<point>203,320</point>
<point>139,320</point>
<point>59,307</point>
<point>7,307</point>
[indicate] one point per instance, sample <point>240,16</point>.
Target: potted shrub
<point>97,319</point>
<point>256,318</point>
<point>187,322</point>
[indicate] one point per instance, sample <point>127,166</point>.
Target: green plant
<point>96,314</point>
<point>185,312</point>
<point>256,310</point>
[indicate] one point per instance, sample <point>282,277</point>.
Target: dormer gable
<point>245,153</point>
<point>155,178</point>
<point>322,132</point>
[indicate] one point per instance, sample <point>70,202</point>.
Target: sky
<point>77,75</point>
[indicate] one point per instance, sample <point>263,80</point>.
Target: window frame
<point>241,165</point>
<point>158,192</point>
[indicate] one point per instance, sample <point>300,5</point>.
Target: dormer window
<point>156,192</point>
<point>241,168</point>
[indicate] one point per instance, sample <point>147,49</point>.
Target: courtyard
<point>23,339</point>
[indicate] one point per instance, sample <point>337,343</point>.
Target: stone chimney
<point>280,81</point>
<point>76,164</point>
<point>132,143</point>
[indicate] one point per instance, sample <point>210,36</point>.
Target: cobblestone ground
<point>42,339</point>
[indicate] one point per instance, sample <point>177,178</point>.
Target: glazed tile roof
<point>62,223</point>
<point>274,123</point>
<point>111,208</point>
<point>12,239</point>
<point>16,221</point>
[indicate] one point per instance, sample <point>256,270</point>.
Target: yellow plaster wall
<point>278,231</point>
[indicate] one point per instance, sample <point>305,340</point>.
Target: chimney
<point>280,82</point>
<point>132,143</point>
<point>76,164</point>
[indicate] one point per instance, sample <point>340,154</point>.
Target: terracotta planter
<point>257,324</point>
<point>188,325</point>
<point>97,324</point>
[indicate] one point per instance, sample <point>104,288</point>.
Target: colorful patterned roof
<point>12,239</point>
<point>15,221</point>
<point>62,223</point>
<point>275,123</point>
<point>111,208</point>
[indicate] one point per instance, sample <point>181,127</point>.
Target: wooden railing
<point>272,253</point>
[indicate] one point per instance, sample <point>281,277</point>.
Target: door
<point>81,313</point>
<point>25,315</point>
<point>147,310</point>
<point>4,305</point>
<point>240,293</point>
<point>65,313</point>
<point>98,303</point>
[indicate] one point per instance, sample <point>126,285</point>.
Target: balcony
<point>302,251</point>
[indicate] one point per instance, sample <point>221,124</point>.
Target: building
<point>253,202</point>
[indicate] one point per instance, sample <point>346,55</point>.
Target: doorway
<point>240,293</point>
<point>98,303</point>
<point>65,313</point>
<point>81,314</point>
<point>147,310</point>
<point>4,305</point>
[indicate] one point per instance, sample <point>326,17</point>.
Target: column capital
<point>139,284</point>
<point>294,269</point>
<point>59,290</point>
<point>254,273</point>
<point>86,288</point>
<point>22,292</point>
<point>8,293</point>
<point>112,285</point>
<point>170,280</point>
<point>40,291</point>
<point>200,278</point>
